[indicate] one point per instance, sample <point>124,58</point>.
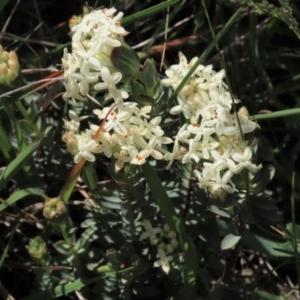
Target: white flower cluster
<point>128,135</point>
<point>92,42</point>
<point>214,133</point>
<point>166,243</point>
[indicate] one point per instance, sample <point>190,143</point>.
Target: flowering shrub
<point>156,191</point>
<point>212,137</point>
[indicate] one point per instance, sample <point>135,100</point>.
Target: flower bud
<point>55,210</point>
<point>38,251</point>
<point>172,234</point>
<point>9,67</point>
<point>243,111</point>
<point>187,90</point>
<point>166,227</point>
<point>219,194</point>
<point>221,197</point>
<point>161,246</point>
<point>174,243</point>
<point>169,249</point>
<point>154,242</point>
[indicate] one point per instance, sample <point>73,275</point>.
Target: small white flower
<point>121,157</point>
<point>204,178</point>
<point>223,161</point>
<point>85,149</point>
<point>138,158</point>
<point>84,81</point>
<point>163,261</point>
<point>74,124</point>
<point>192,153</point>
<point>222,182</point>
<point>72,90</point>
<point>150,231</point>
<point>244,161</point>
<point>114,120</point>
<point>109,83</point>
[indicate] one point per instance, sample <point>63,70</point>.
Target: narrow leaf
<point>148,12</point>
<point>18,195</point>
<point>229,241</point>
<point>19,162</point>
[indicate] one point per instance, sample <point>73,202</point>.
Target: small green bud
<point>221,197</point>
<point>169,249</point>
<point>166,227</point>
<point>187,90</point>
<point>174,243</point>
<point>9,67</point>
<point>161,246</point>
<point>154,242</point>
<point>38,250</point>
<point>149,76</point>
<point>55,210</point>
<point>104,269</point>
<point>172,234</point>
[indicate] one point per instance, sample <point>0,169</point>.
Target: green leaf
<point>89,176</point>
<point>259,242</point>
<point>149,76</point>
<point>229,241</point>
<point>18,195</point>
<point>148,12</point>
<point>217,211</point>
<point>62,247</point>
<point>262,295</point>
<point>19,162</point>
<point>137,88</point>
<point>126,61</point>
<point>3,3</point>
<point>262,178</point>
<point>7,247</point>
<point>5,145</point>
<point>15,124</point>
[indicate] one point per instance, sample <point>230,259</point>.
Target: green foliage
<point>284,12</point>
<point>86,241</point>
<point>125,60</point>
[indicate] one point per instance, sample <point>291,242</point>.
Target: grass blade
<point>18,195</point>
<point>18,162</point>
<point>148,12</point>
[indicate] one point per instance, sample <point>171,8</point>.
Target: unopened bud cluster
<point>9,67</point>
<point>166,241</point>
<point>38,251</point>
<point>214,135</point>
<point>55,210</point>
